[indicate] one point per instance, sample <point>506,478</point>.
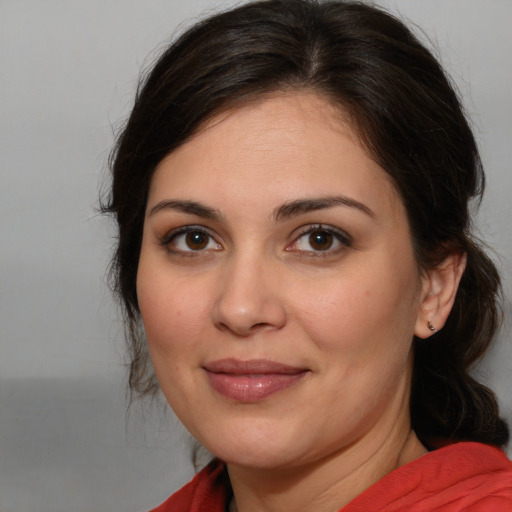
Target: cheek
<point>366,310</point>
<point>173,315</point>
<point>173,311</point>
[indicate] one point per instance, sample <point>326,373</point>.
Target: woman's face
<point>278,287</point>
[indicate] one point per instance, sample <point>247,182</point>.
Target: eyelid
<point>170,236</point>
<point>341,236</point>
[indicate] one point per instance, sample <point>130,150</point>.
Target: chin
<point>259,446</point>
<point>256,457</point>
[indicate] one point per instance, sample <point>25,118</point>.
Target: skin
<point>257,287</point>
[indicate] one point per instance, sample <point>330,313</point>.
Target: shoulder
<point>457,477</point>
<point>209,490</point>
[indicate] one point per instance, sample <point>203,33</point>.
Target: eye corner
<point>190,241</point>
<point>329,241</point>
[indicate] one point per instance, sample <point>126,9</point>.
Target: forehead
<point>281,147</point>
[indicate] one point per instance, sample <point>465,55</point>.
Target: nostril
<point>261,324</point>
<point>244,330</point>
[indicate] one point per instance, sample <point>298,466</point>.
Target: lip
<point>252,380</point>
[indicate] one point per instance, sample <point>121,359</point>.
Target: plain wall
<point>68,74</point>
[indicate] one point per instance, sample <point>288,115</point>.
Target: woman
<point>292,192</point>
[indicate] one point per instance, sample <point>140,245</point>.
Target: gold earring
<point>431,327</point>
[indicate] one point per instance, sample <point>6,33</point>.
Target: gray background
<point>68,75</point>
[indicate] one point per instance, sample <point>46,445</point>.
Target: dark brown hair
<point>409,119</point>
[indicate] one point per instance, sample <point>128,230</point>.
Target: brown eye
<point>320,240</point>
<point>196,240</point>
<point>189,240</point>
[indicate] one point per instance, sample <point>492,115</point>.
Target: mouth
<point>252,380</point>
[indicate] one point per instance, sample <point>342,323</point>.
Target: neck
<point>327,484</point>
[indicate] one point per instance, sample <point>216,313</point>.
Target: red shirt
<point>459,477</point>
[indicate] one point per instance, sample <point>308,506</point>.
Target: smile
<point>251,381</point>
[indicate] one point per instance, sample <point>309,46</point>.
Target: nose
<point>249,299</point>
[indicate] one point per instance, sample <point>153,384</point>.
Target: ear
<point>439,288</point>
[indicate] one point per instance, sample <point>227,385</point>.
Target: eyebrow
<point>190,207</point>
<point>283,212</point>
<point>302,206</point>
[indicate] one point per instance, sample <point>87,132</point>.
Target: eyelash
<point>170,238</point>
<point>338,236</point>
